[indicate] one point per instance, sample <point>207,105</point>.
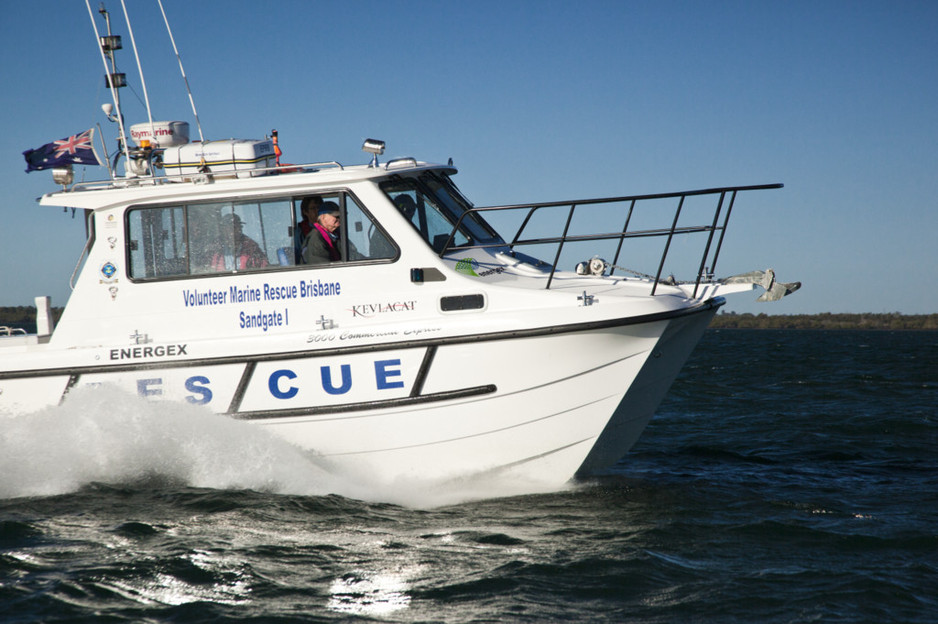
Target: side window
<point>446,194</point>
<point>270,223</point>
<point>199,239</point>
<point>203,239</point>
<point>425,213</point>
<point>438,226</point>
<point>158,242</point>
<point>240,236</point>
<point>205,236</point>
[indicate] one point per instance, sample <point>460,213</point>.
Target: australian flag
<point>75,150</point>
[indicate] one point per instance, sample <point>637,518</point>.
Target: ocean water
<point>789,476</point>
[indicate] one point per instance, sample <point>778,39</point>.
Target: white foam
<point>106,435</point>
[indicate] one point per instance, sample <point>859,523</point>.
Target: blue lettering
<point>319,289</point>
<point>326,373</point>
<point>274,384</point>
<point>144,389</point>
<point>193,385</point>
<point>382,373</point>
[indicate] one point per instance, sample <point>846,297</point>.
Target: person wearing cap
<point>322,244</point>
<point>238,251</point>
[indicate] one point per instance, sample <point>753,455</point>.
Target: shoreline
<point>892,321</point>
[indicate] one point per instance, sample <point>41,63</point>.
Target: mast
<point>114,80</point>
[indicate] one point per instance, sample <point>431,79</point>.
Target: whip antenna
<point>143,84</point>
<point>182,71</point>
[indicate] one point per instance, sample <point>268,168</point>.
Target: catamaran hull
<point>646,392</point>
<point>540,405</point>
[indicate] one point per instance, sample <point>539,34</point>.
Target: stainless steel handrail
<point>708,262</point>
<point>179,177</point>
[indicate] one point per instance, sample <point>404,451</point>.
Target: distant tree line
<point>24,317</point>
<point>826,320</point>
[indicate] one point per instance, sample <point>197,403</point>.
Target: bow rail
<point>724,200</point>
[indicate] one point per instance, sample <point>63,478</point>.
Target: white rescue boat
<point>428,345</point>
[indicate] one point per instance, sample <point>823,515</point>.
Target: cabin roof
<point>122,191</point>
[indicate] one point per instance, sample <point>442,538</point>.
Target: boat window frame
<point>91,236</point>
<point>468,224</point>
<point>294,198</point>
<point>474,219</point>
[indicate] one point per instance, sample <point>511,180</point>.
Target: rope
<point>633,272</point>
<point>590,267</point>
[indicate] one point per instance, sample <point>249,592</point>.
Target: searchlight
<point>375,147</point>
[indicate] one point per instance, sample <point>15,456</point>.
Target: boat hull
<point>646,392</point>
<point>540,405</point>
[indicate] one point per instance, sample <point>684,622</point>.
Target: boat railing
<point>715,227</point>
<point>175,178</point>
<point>398,163</point>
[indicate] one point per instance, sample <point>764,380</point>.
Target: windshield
<point>433,206</point>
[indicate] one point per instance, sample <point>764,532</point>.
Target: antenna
<point>114,80</point>
<point>182,71</point>
<point>143,83</point>
<point>107,162</point>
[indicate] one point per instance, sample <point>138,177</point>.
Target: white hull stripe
<point>408,344</point>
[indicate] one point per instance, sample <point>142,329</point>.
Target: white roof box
<point>161,133</point>
<point>240,157</point>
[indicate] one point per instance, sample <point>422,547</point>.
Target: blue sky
<point>534,101</point>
